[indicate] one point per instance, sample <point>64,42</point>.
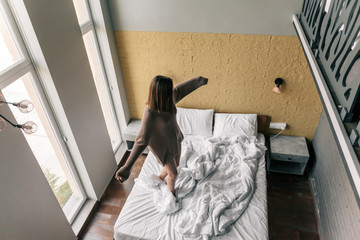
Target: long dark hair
<point>161,94</point>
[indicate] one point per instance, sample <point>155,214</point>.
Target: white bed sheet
<point>139,219</point>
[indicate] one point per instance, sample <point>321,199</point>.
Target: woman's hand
<point>122,174</point>
<point>204,80</point>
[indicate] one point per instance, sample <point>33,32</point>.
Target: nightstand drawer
<point>288,154</point>
<point>290,158</point>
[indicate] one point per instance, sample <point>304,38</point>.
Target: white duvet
<point>217,177</point>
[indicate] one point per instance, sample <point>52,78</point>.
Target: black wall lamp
<point>277,88</point>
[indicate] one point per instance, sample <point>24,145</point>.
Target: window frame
<point>26,66</point>
<point>112,94</point>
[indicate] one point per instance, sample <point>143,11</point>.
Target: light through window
<point>81,11</point>
<point>44,145</point>
<point>8,49</point>
<point>101,87</point>
<point>97,68</point>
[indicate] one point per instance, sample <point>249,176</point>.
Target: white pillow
<point>195,121</point>
<point>227,124</point>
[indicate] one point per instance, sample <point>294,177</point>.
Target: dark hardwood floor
<point>291,209</point>
<point>101,224</point>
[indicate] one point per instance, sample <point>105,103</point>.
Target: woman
<point>159,129</point>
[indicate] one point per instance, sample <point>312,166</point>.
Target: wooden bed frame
<point>263,124</point>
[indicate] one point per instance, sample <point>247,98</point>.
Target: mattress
<point>139,219</point>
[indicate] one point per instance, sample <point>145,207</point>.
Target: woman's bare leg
<point>163,174</point>
<point>172,174</point>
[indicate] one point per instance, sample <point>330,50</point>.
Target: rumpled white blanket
<point>218,176</point>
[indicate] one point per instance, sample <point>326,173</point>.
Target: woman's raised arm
<point>184,88</point>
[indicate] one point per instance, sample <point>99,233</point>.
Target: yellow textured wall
<point>241,71</point>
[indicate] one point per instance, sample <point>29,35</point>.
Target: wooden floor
<point>290,206</point>
<point>291,211</point>
<point>101,225</point>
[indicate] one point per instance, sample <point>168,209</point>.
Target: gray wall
<point>339,213</point>
<point>61,42</point>
<point>28,207</point>
<point>206,16</point>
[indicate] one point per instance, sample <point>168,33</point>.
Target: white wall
<point>28,207</point>
<point>206,16</point>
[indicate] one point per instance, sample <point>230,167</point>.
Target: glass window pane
<point>101,88</point>
<point>81,11</point>
<point>45,146</point>
<point>8,50</point>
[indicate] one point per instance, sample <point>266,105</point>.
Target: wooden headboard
<point>263,123</point>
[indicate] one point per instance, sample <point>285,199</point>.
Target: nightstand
<point>130,133</point>
<point>288,154</point>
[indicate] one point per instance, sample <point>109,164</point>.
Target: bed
<point>218,196</point>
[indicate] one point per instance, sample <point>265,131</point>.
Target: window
<point>98,70</point>
<point>9,51</point>
<point>18,81</point>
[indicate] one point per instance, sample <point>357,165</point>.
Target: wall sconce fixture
<point>24,106</point>
<point>28,127</point>
<point>278,82</point>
